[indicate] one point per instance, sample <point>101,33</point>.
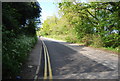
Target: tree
<point>19,20</point>
<point>88,22</point>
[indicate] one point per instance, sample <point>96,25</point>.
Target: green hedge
<point>15,52</point>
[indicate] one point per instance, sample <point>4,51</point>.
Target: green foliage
<point>17,16</point>
<point>95,23</point>
<point>71,39</point>
<point>97,41</point>
<point>15,51</point>
<point>87,39</point>
<point>19,20</point>
<point>112,40</point>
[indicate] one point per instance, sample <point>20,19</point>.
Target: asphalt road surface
<point>76,63</point>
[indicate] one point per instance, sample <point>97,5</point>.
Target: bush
<point>97,41</point>
<point>111,40</point>
<point>94,40</point>
<point>71,39</point>
<point>87,39</point>
<point>15,52</point>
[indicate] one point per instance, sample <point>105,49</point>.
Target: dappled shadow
<point>68,61</point>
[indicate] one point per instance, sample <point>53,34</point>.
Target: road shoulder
<point>32,63</point>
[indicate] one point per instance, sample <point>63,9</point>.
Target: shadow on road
<point>68,61</point>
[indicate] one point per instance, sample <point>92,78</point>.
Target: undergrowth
<point>15,52</point>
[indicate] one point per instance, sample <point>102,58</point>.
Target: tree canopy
<point>19,22</point>
<point>94,23</point>
<point>18,15</point>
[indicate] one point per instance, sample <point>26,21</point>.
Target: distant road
<point>72,61</point>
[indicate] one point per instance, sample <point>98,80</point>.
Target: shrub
<point>111,40</point>
<point>94,40</point>
<point>97,41</point>
<point>71,39</point>
<point>87,39</point>
<point>15,52</point>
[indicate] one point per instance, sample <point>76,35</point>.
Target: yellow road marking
<point>47,60</point>
<point>50,69</point>
<point>45,66</point>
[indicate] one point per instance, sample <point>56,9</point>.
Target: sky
<point>49,8</point>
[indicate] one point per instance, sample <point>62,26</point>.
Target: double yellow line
<point>47,65</point>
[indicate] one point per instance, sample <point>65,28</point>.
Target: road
<point>73,61</point>
<point>68,61</point>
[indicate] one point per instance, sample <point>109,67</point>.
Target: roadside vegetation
<point>94,24</point>
<point>19,21</point>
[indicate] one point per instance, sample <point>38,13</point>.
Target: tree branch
<point>92,15</point>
